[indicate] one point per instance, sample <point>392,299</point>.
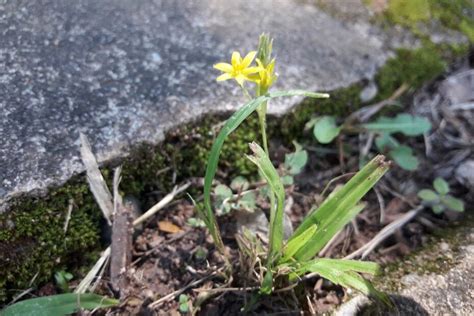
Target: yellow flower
<point>238,69</point>
<point>267,74</point>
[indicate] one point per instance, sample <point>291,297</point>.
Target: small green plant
<point>286,261</point>
<point>235,197</point>
<point>61,304</point>
<point>439,199</point>
<point>195,222</point>
<point>62,278</point>
<point>294,164</point>
<point>183,303</point>
<point>325,130</point>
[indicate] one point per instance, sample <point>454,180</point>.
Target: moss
<point>453,14</point>
<point>408,13</point>
<point>411,67</point>
<point>33,242</point>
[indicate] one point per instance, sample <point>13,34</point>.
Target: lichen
<point>430,259</point>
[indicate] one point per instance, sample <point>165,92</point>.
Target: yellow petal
<point>259,63</point>
<point>225,67</point>
<point>236,59</point>
<point>251,70</point>
<point>240,79</point>
<point>224,77</point>
<point>248,59</point>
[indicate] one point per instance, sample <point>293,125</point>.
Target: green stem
<point>262,118</point>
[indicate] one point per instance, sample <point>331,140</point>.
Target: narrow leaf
<point>298,242</point>
<point>270,174</point>
<point>340,273</point>
<point>62,304</point>
<point>342,265</point>
<point>340,208</point>
<point>403,123</point>
<point>96,181</point>
<point>231,124</point>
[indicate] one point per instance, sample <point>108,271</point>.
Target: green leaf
<point>296,161</point>
<point>438,208</point>
<point>344,272</point>
<point>287,180</point>
<point>342,265</point>
<point>62,304</point>
<point>231,124</point>
<point>270,174</point>
<point>222,192</point>
<point>441,186</point>
<point>267,283</point>
<point>403,123</point>
<point>297,243</point>
<point>183,303</point>
<point>428,195</point>
<point>196,222</point>
<point>453,203</point>
<point>404,157</point>
<point>239,184</point>
<point>340,208</point>
<point>385,142</point>
<point>247,201</point>
<point>325,129</point>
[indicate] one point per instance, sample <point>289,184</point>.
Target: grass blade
<point>339,208</point>
<point>97,184</point>
<point>298,242</point>
<point>341,265</point>
<point>345,273</point>
<point>231,124</point>
<point>270,174</point>
<point>62,304</point>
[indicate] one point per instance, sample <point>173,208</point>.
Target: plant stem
<point>262,118</point>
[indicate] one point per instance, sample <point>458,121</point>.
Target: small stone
<point>369,92</point>
<point>444,246</point>
<point>465,173</point>
<point>410,279</point>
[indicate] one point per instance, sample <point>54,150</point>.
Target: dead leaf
<point>168,227</point>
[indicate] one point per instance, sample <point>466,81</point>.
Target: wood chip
<point>168,227</point>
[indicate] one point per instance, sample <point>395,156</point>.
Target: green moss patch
<point>452,14</point>
<point>411,67</point>
<point>34,243</point>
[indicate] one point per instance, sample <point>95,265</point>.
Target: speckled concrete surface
<point>448,293</point>
<point>125,72</point>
